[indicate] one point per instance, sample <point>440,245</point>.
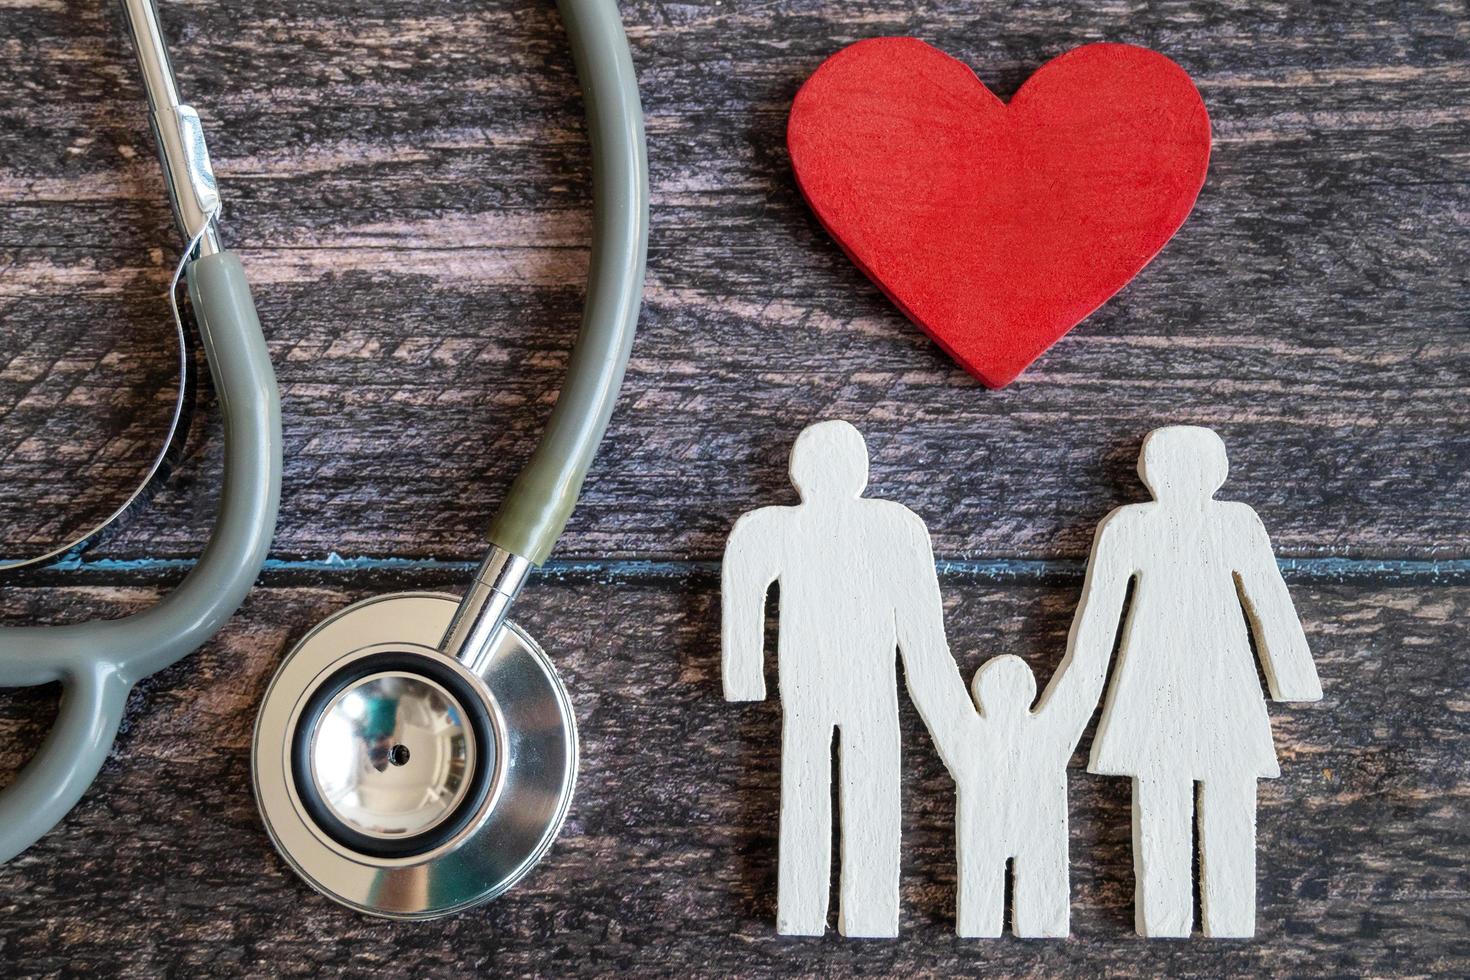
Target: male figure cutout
<point>857,579</point>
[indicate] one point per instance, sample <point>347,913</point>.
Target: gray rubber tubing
<point>542,497</point>
<point>98,663</point>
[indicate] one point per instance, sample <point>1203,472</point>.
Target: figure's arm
<point>933,677</point>
<point>746,575</point>
<point>1282,642</point>
<point>1072,695</point>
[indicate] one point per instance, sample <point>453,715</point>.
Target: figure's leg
<point>868,767</point>
<point>1163,869</point>
<point>1227,856</point>
<point>1043,901</point>
<point>980,902</point>
<point>805,864</point>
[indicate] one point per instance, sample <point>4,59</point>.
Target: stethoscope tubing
<point>541,498</point>
<point>98,663</point>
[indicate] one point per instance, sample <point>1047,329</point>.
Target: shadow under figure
<point>1185,706</point>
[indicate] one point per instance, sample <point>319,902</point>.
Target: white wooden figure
<point>857,579</point>
<point>1013,793</point>
<point>1184,716</point>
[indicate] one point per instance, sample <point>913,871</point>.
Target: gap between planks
<point>105,571</point>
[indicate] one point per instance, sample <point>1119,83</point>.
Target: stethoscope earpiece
<point>398,781</point>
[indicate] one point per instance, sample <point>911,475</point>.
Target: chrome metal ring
<point>481,855</point>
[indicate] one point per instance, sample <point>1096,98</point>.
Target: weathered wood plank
<point>667,865</point>
<point>409,192</point>
<point>408,188</point>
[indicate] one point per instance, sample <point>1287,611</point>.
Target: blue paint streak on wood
<point>1379,570</point>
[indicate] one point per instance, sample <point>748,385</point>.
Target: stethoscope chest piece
<point>397,780</point>
<point>415,754</point>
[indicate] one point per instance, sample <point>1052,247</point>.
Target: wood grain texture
<point>408,191</point>
<point>407,185</point>
<point>667,865</point>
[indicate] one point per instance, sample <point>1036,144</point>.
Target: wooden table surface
<point>407,185</point>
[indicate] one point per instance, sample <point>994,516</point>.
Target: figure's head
<point>1004,687</point>
<point>829,459</point>
<point>1183,462</point>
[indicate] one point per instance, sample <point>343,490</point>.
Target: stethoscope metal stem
<point>191,186</point>
<point>470,638</point>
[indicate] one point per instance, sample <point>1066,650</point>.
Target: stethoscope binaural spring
<point>415,754</point>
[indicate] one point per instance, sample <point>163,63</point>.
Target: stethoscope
<point>415,753</point>
<point>98,663</point>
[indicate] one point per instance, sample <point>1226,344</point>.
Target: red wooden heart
<point>997,228</point>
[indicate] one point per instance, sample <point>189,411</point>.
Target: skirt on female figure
<point>1185,700</point>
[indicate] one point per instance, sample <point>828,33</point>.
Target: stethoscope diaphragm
<point>398,782</point>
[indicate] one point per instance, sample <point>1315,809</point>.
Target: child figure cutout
<point>1012,801</point>
<point>1184,716</point>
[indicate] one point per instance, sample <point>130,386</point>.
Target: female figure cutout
<point>1185,707</point>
